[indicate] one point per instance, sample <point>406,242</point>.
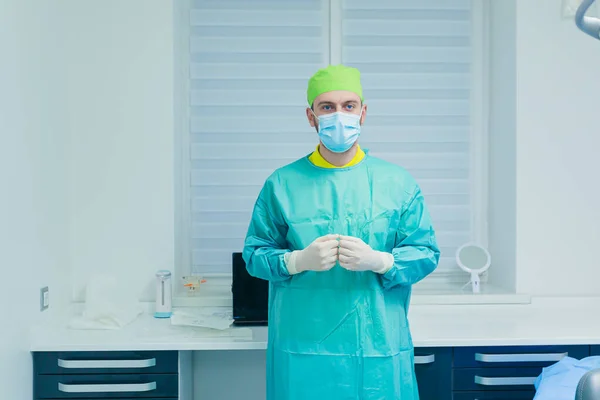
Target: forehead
<point>336,97</point>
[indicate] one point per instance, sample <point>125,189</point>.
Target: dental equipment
<point>588,25</point>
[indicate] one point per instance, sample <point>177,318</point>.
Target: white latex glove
<point>356,255</point>
<point>320,255</point>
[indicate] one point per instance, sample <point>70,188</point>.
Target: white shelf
<point>458,293</point>
<point>219,295</point>
<point>546,321</point>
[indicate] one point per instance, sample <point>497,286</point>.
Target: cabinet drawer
<point>505,395</point>
<point>106,386</point>
<point>515,356</point>
<point>595,350</point>
<point>105,362</point>
<point>433,369</point>
<point>483,379</point>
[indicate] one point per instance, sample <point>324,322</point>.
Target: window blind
<point>415,58</point>
<point>249,63</point>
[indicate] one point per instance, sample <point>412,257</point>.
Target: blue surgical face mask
<point>339,131</point>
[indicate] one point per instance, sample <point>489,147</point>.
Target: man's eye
<point>327,108</point>
<point>350,106</point>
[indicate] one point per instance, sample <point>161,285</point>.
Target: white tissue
<point>202,318</point>
<point>110,303</point>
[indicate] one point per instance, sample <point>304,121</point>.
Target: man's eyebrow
<point>323,103</point>
<point>330,103</point>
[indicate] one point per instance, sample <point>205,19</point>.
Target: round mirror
<point>473,259</point>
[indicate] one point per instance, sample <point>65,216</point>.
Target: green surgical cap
<point>333,77</point>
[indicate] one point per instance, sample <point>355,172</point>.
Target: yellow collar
<point>317,159</point>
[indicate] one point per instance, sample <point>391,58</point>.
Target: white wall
<point>119,92</point>
<point>34,153</point>
<point>502,144</point>
<point>90,83</point>
<point>120,95</point>
<point>230,375</point>
<point>558,136</point>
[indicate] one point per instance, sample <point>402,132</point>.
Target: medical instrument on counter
<point>475,260</point>
<point>163,294</point>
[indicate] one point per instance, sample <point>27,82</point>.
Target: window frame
<point>478,144</point>
<point>181,159</point>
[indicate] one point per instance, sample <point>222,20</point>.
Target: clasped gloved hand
<point>320,255</point>
<point>356,255</point>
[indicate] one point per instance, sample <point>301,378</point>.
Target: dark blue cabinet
<point>504,372</point>
<point>487,372</point>
<point>105,362</point>
<point>433,369</point>
<point>501,395</point>
<point>495,379</point>
<point>515,356</point>
<point>102,386</point>
<point>119,375</point>
<point>442,373</point>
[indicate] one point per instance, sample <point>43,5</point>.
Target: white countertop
<point>545,321</point>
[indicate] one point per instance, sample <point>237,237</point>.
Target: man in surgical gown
<point>341,236</point>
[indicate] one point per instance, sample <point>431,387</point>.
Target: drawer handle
<point>107,363</point>
<point>117,388</point>
<point>533,357</point>
<point>428,359</point>
<point>509,381</point>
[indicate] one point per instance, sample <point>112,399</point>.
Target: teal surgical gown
<point>340,334</point>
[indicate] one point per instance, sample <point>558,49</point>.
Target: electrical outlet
<point>44,298</point>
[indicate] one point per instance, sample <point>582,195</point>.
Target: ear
<point>311,117</point>
<point>363,115</point>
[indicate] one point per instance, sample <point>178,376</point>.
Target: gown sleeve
<point>265,244</point>
<point>416,252</point>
